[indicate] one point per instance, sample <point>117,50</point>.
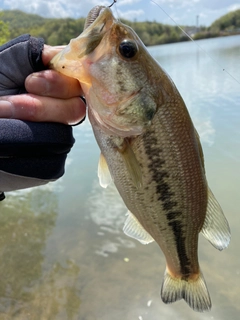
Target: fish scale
<point>149,148</point>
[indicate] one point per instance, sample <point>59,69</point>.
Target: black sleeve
<point>18,58</point>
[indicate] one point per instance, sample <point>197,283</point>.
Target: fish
<point>150,149</point>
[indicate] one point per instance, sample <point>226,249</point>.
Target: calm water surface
<point>63,254</point>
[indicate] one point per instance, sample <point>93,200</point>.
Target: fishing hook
<point>114,1</point>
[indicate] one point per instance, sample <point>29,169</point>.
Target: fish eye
<point>128,49</point>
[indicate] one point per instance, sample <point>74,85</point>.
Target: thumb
<point>49,52</point>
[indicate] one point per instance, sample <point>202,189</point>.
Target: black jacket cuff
<point>19,58</point>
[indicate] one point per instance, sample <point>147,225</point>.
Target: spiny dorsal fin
<point>103,172</point>
<point>132,164</point>
<point>216,228</point>
<point>134,229</point>
<point>194,292</point>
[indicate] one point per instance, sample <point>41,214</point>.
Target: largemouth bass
<point>149,148</point>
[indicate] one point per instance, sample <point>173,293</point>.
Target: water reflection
<point>209,92</point>
<point>56,296</point>
<point>107,210</point>
<point>30,288</point>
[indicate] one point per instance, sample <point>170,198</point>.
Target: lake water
<point>63,254</point>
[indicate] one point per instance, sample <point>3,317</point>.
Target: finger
<point>40,109</point>
<point>49,52</point>
<point>50,83</point>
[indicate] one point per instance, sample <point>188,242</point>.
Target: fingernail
<point>6,109</point>
<point>36,83</point>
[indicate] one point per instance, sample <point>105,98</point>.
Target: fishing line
<point>114,1</point>
<point>203,50</point>
<point>116,10</point>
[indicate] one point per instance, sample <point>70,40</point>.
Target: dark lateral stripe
<point>168,205</point>
<point>163,190</point>
<point>159,174</point>
<point>181,250</point>
<point>172,215</point>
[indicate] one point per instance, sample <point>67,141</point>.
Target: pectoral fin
<point>134,229</point>
<point>215,228</point>
<point>104,174</point>
<point>131,163</point>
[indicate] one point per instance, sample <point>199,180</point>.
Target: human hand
<point>51,97</point>
<point>31,99</point>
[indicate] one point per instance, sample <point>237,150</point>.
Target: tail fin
<point>194,292</point>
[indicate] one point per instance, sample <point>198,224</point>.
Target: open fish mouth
<point>92,15</point>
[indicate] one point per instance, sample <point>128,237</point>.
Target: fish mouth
<point>98,22</point>
<point>93,15</point>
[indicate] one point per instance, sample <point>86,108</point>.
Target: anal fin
<point>134,229</point>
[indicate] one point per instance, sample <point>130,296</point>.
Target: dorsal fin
<point>216,228</point>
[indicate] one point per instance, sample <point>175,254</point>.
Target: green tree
<point>4,32</point>
<point>228,22</point>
